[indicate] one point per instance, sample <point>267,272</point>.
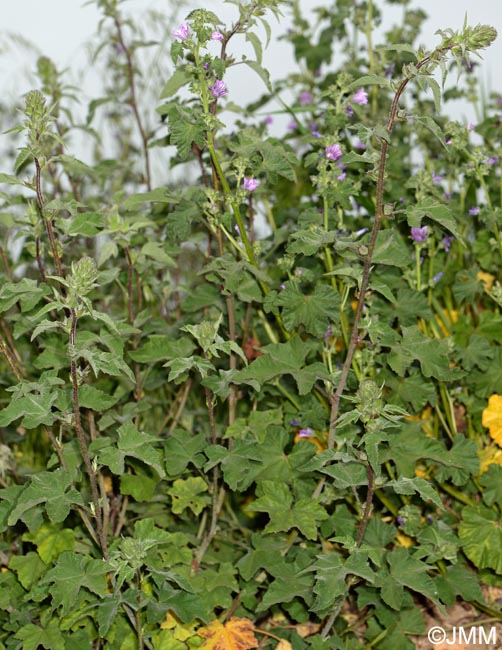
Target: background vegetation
<point>262,407</point>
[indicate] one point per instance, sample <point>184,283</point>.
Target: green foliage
<point>242,374</point>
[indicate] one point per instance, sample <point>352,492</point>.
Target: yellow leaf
<point>492,418</point>
<point>236,634</point>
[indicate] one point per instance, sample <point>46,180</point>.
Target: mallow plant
<point>259,406</point>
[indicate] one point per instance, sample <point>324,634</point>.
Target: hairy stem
<point>379,214</point>
<point>84,449</point>
<point>47,222</point>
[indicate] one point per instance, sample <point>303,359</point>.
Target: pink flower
<point>218,89</point>
<point>268,120</point>
<point>419,235</point>
<point>360,97</point>
<point>333,152</point>
<point>250,184</point>
<point>305,98</point>
<point>183,32</point>
<point>217,36</point>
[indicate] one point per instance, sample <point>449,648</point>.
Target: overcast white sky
<point>59,28</point>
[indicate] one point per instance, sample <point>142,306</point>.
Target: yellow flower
<point>490,455</point>
<point>404,540</point>
<point>492,418</point>
<point>487,279</point>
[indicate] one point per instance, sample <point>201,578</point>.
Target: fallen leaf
<point>307,629</point>
<point>236,634</point>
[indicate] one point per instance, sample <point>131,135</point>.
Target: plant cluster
<point>261,407</point>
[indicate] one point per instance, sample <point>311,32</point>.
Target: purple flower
<point>316,133</point>
<point>400,521</point>
<point>492,160</point>
<point>294,423</point>
<point>236,228</point>
<point>292,125</point>
<point>389,71</point>
<point>447,196</point>
<point>474,211</point>
<point>359,145</point>
<point>183,32</point>
<point>436,179</point>
<point>447,242</point>
<point>448,141</point>
<point>333,152</point>
<point>250,184</point>
<point>327,333</point>
<point>437,277</point>
<point>360,97</point>
<point>299,272</point>
<point>419,235</point>
<point>282,287</point>
<point>268,120</point>
<point>361,232</point>
<point>305,98</point>
<point>341,177</point>
<point>306,433</point>
<point>349,110</point>
<point>470,126</point>
<point>206,66</point>
<point>217,36</point>
<point>218,89</point>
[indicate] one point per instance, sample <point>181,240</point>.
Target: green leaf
<point>368,80</point>
<point>263,73</point>
<point>189,493</point>
<point>158,195</point>
<point>178,79</point>
<point>491,482</point>
<point>182,448</point>
<point>438,212</point>
<point>140,487</point>
<point>49,637</point>
<point>26,292</point>
<point>156,251</point>
<point>51,541</point>
<point>159,347</point>
<point>412,573</point>
<point>292,582</point>
<point>51,489</point>
<point>29,568</point>
<point>95,399</point>
<point>460,463</point>
<point>330,578</point>
<point>180,220</point>
<point>250,461</point>
<point>131,443</point>
<point>256,43</point>
<point>314,312</point>
<point>184,132</point>
<point>86,224</point>
<point>308,242</point>
<point>404,485</point>
<point>431,353</point>
<point>480,532</point>
<point>390,249</point>
<point>458,581</point>
<point>277,501</point>
<point>72,573</point>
